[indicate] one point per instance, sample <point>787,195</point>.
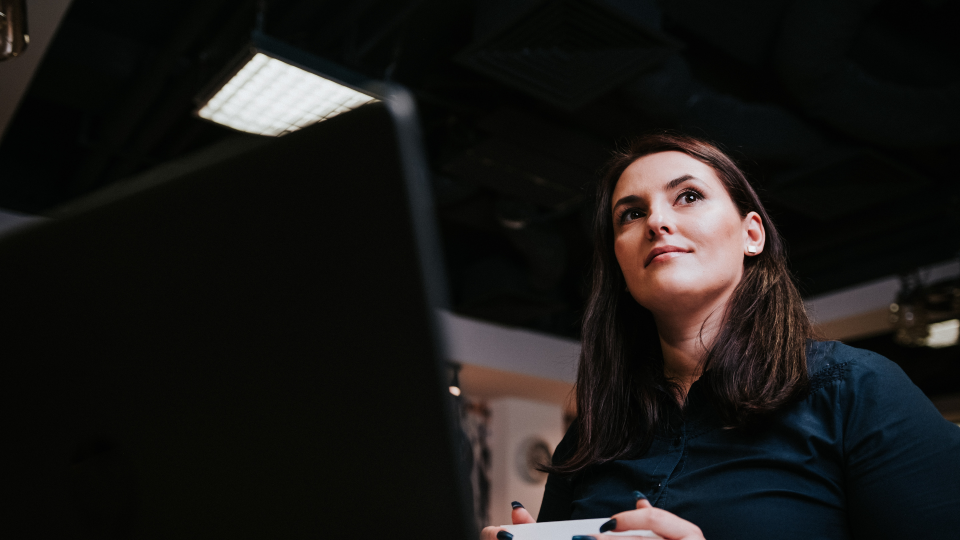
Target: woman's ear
<point>754,235</point>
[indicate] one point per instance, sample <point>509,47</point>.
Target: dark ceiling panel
<point>566,52</point>
<point>846,183</point>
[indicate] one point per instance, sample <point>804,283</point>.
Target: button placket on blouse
<point>668,466</point>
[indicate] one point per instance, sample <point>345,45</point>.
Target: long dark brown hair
<point>756,365</point>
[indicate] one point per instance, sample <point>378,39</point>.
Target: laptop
<point>244,350</point>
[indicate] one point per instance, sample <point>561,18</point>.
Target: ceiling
<point>845,114</point>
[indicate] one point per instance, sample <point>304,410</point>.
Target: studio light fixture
<point>274,88</point>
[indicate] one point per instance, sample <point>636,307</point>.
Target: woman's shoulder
<point>864,383</point>
<point>835,362</point>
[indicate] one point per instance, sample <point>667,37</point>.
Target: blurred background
<point>845,114</point>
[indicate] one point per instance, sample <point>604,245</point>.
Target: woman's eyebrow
<point>677,181</point>
<point>626,200</point>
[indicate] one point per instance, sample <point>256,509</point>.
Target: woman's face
<point>678,236</point>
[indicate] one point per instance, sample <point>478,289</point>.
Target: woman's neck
<point>685,339</point>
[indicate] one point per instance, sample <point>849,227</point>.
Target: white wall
<point>512,422</point>
<point>504,348</point>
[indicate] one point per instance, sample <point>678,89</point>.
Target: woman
<point>706,408</point>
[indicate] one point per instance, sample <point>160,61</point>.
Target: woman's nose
<point>658,223</point>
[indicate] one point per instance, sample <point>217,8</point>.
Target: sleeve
<point>902,458</point>
<point>558,493</point>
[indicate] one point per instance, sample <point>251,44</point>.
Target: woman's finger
<point>599,536</point>
<point>495,533</point>
<point>520,514</point>
<point>659,521</point>
<point>642,501</point>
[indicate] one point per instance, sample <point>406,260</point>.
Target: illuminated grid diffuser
<point>277,88</point>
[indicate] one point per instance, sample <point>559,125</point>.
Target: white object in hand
<point>564,530</point>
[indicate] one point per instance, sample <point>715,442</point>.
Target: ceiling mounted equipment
<point>275,88</point>
<point>14,37</point>
<point>926,315</point>
<point>566,52</point>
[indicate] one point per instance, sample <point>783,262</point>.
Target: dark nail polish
<point>504,535</point>
<point>516,505</point>
<point>584,538</point>
<point>637,495</point>
<point>609,526</point>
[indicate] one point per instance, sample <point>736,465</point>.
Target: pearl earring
<point>751,249</point>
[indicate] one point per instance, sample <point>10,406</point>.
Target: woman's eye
<point>630,215</point>
<point>689,197</point>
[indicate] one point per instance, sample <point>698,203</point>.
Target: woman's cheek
<point>622,255</point>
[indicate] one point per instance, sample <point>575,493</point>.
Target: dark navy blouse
<point>864,455</point>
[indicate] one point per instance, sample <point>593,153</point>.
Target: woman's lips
<point>665,251</point>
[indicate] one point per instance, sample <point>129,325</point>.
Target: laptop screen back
<point>244,351</point>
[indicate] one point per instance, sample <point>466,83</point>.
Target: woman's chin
<point>674,295</point>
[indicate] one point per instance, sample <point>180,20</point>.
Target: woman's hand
<point>646,517</point>
<point>518,516</point>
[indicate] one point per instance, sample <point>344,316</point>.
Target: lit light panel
<point>943,334</point>
<point>271,97</point>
